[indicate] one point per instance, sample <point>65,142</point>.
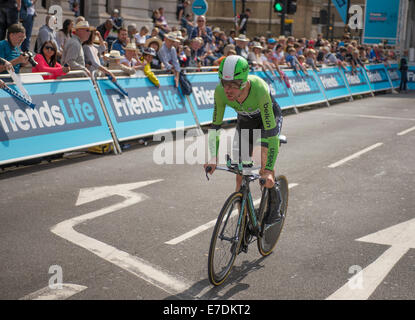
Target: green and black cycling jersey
<point>258,105</point>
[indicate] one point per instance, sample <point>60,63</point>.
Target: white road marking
<point>355,155</point>
<point>135,265</point>
<point>209,224</point>
<point>368,116</point>
<point>406,131</point>
<point>401,238</point>
<point>47,293</point>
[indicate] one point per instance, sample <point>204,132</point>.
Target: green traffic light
<point>278,7</point>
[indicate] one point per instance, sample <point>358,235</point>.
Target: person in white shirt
<point>141,37</point>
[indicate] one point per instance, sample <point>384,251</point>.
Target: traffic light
<point>291,6</point>
<point>278,6</point>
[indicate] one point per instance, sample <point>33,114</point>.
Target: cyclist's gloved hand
<point>212,164</point>
<point>269,178</point>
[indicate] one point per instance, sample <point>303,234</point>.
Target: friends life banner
<point>306,89</point>
<point>394,74</point>
<point>356,80</point>
<point>381,22</point>
<point>202,98</point>
<point>147,109</point>
<point>67,117</point>
<point>278,89</point>
<point>379,77</point>
<point>333,83</point>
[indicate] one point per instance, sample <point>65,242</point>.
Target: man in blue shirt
<point>121,41</point>
<point>10,48</point>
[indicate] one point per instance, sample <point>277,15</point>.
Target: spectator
<point>47,61</point>
<point>131,59</point>
<point>160,24</point>
<point>27,16</point>
<point>243,21</point>
<point>242,46</point>
<point>196,52</point>
<point>105,29</point>
<point>121,41</point>
<point>73,54</point>
<point>227,51</point>
<point>403,67</point>
<point>74,6</point>
<point>181,8</point>
<point>201,30</point>
<point>10,48</point>
<point>9,15</point>
<point>156,44</point>
<point>141,37</point>
<point>168,57</point>
<point>293,62</point>
<point>311,59</point>
<point>187,23</point>
<point>328,57</point>
<point>92,54</point>
<point>132,31</point>
<point>46,33</point>
<point>148,55</point>
<point>232,36</point>
<point>64,34</point>
<point>279,55</point>
<point>117,19</point>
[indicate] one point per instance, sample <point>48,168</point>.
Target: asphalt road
<point>58,223</point>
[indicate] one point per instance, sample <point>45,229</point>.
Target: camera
<point>31,60</point>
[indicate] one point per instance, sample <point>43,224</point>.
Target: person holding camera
<point>47,61</point>
<point>10,48</point>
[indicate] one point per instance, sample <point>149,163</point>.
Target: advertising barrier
<point>67,116</point>
<point>378,77</point>
<point>146,109</point>
<point>411,78</point>
<point>72,114</point>
<point>356,81</point>
<point>394,74</point>
<point>305,88</point>
<point>333,83</point>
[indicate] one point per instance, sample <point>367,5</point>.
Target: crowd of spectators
<point>193,44</point>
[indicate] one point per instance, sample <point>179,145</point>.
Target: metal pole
<point>282,31</point>
<point>270,16</point>
<point>328,18</point>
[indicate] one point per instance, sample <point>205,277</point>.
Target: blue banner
<point>381,21</point>
<point>305,88</point>
<point>147,109</point>
<point>202,97</point>
<point>67,116</point>
<point>411,78</point>
<point>278,88</point>
<point>394,74</point>
<point>333,83</point>
<point>342,8</point>
<point>356,80</point>
<point>378,77</point>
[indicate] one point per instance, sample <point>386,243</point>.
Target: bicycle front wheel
<point>226,239</point>
<point>271,233</point>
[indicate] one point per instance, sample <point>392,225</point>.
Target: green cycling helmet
<point>234,68</point>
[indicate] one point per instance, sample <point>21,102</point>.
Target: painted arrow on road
<point>401,238</point>
<point>124,260</point>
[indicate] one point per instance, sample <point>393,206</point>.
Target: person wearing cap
<point>73,54</point>
<point>121,41</point>
<point>242,46</point>
<point>168,56</point>
<point>117,19</point>
<point>131,59</point>
<point>148,55</point>
<point>156,44</point>
<point>92,54</point>
<point>10,48</point>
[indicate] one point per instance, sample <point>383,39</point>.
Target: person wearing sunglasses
<point>250,97</point>
<point>47,61</point>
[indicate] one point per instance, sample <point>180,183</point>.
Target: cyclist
<point>250,96</point>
